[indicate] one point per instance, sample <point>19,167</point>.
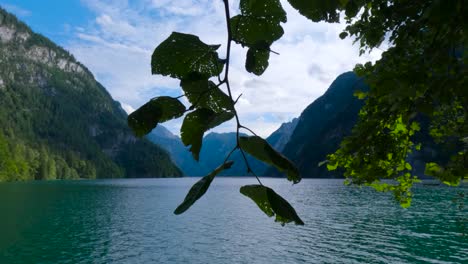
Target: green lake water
<point>131,221</point>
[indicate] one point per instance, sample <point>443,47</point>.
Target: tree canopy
<point>422,75</point>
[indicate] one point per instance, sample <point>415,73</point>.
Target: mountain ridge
<point>58,121</point>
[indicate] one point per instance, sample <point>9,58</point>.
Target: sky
<point>115,40</point>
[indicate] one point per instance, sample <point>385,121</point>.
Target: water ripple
<point>131,221</point>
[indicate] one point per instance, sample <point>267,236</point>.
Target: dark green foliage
<point>183,54</point>
<point>200,188</point>
<point>272,204</point>
<point>158,110</point>
<point>257,27</point>
<point>197,123</point>
<point>423,73</point>
<point>261,150</point>
<point>203,93</point>
<point>255,31</point>
<point>58,122</point>
<point>140,161</point>
<point>257,61</point>
<point>185,57</point>
<point>318,10</point>
<point>269,9</point>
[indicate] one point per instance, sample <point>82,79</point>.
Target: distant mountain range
<point>58,122</point>
<point>215,148</point>
<point>306,140</point>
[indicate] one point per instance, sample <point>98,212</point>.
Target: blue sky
<point>115,40</point>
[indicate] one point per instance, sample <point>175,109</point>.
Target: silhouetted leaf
<point>269,9</point>
<point>271,203</point>
<point>182,54</point>
<point>197,123</point>
<point>257,61</point>
<point>203,93</point>
<point>261,150</point>
<point>200,188</point>
<point>352,8</point>
<point>343,35</point>
<point>318,10</point>
<point>251,31</point>
<point>157,110</point>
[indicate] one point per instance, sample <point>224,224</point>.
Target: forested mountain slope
<point>58,122</point>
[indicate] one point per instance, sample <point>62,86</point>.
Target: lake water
<point>131,221</point>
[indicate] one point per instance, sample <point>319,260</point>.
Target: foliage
<point>421,75</point>
<point>194,63</point>
<point>261,150</point>
<point>423,72</point>
<point>200,188</point>
<point>271,203</point>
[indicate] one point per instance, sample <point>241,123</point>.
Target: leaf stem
<point>226,81</point>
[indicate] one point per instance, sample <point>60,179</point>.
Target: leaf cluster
<point>197,65</point>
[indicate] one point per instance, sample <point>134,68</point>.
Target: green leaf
<point>360,94</point>
<point>343,35</point>
<point>432,169</point>
<point>200,188</point>
<point>182,54</point>
<point>408,166</point>
<point>157,110</point>
<point>203,93</point>
<point>270,9</point>
<point>252,31</point>
<point>261,150</point>
<point>318,10</point>
<point>352,8</point>
<point>257,61</point>
<point>271,203</point>
<point>197,123</point>
<point>332,166</point>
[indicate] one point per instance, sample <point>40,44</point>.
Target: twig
<point>226,80</point>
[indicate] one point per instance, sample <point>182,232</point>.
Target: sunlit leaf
<point>260,149</point>
<point>271,204</point>
<point>157,110</point>
<point>257,61</point>
<point>182,54</point>
<point>200,188</point>
<point>197,123</point>
<point>203,93</point>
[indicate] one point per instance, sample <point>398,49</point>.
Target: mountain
<point>177,151</point>
<point>58,122</point>
<point>215,147</point>
<point>282,135</point>
<point>322,126</point>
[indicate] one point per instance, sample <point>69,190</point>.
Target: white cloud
<point>128,108</point>
<point>118,44</point>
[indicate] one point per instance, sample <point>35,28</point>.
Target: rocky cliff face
<point>49,100</point>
